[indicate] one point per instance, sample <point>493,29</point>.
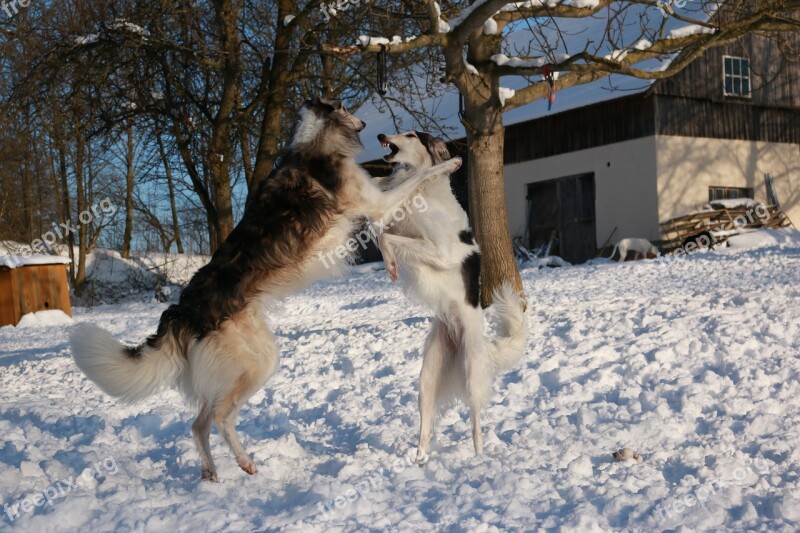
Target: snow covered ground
<point>692,362</point>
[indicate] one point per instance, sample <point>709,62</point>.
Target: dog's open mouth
<point>391,146</point>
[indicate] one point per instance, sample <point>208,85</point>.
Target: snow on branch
<point>396,45</point>
<point>691,29</point>
<point>124,25</point>
<point>504,93</point>
<point>365,41</point>
<point>531,62</point>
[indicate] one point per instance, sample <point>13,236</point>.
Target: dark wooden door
<point>544,213</point>
<point>565,206</point>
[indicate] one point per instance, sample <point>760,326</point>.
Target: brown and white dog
<point>214,345</point>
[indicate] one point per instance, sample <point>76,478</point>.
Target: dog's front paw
<point>454,164</point>
<point>208,475</point>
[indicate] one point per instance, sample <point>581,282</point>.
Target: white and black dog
<point>437,260</point>
<point>214,344</point>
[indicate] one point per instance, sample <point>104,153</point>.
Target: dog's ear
<point>334,105</point>
<point>436,147</point>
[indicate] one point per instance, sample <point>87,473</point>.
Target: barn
<point>617,156</point>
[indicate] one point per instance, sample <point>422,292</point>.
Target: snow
<point>584,3</point>
<point>505,93</point>
<point>370,41</point>
<point>731,203</point>
<point>690,29</point>
<point>16,261</point>
<point>87,39</point>
<point>490,27</point>
<point>766,237</point>
<point>502,59</point>
<point>617,55</point>
<point>288,19</point>
<point>514,6</point>
<point>47,318</point>
<point>691,363</point>
<point>122,24</point>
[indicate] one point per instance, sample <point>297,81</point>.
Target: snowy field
<point>692,363</point>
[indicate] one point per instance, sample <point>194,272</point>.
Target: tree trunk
<point>27,200</point>
<point>176,227</point>
<point>220,146</point>
<point>487,201</point>
<point>27,184</point>
<point>268,145</point>
<point>65,203</point>
<point>279,79</point>
<point>483,121</point>
<point>129,184</point>
<point>80,190</point>
<point>247,155</point>
<point>220,183</point>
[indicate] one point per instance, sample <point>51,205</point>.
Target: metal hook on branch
<point>382,71</point>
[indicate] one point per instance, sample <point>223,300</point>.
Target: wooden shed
<point>30,284</point>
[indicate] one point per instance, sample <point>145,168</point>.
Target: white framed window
<point>736,76</point>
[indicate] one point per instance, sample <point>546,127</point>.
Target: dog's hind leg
<point>479,374</point>
<point>430,386</point>
<point>225,414</point>
<point>201,431</point>
<point>477,436</point>
<point>476,382</point>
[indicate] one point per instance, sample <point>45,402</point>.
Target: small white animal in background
<point>641,247</point>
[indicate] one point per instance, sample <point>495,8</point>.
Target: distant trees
<point>192,100</point>
<point>178,110</point>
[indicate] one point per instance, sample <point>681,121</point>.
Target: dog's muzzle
<point>386,144</point>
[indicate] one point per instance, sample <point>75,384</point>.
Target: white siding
<point>639,182</point>
<point>625,187</point>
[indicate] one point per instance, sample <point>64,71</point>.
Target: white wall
<point>625,187</point>
<point>687,166</point>
<point>639,182</point>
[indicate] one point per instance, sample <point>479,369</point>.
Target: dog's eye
<point>410,135</point>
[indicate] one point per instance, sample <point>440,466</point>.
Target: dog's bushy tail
<point>130,374</point>
<point>512,328</point>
